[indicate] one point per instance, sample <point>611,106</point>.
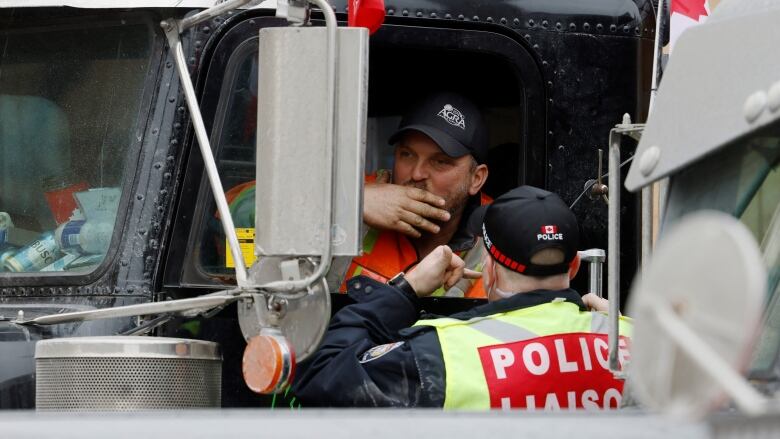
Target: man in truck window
<point>438,173</point>
<point>439,169</point>
<point>534,345</point>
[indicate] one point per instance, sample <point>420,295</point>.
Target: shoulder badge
<point>377,351</point>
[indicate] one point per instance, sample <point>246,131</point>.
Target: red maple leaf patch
<point>690,8</point>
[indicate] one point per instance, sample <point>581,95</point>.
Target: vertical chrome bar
<point>656,54</point>
<point>613,247</point>
<point>663,192</point>
<point>595,279</point>
<point>595,257</point>
<point>172,34</point>
<point>647,224</point>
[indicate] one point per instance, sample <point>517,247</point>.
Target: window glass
<point>234,131</point>
<point>744,181</point>
<point>70,96</point>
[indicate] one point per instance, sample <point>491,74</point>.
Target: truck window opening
<point>393,86</point>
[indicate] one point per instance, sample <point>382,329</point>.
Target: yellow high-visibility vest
<point>546,356</point>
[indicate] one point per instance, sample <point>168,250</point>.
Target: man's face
<point>419,162</point>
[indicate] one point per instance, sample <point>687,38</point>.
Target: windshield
<point>743,180</point>
<point>70,96</point>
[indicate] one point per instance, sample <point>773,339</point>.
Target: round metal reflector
<point>302,320</point>
<point>695,307</point>
<point>126,373</point>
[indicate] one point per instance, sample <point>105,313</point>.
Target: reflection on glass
<point>69,102</point>
<point>743,180</point>
<point>234,132</point>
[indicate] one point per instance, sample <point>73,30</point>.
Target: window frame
<point>532,168</point>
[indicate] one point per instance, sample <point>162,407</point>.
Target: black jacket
<point>371,357</point>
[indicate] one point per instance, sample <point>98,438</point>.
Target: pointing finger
<point>471,274</point>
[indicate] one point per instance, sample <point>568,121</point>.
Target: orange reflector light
<point>268,364</point>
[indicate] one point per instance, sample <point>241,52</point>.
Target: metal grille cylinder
<point>126,373</point>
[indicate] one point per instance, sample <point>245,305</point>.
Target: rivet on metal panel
<point>475,18</point>
<point>489,19</point>
<point>599,27</point>
<point>774,97</point>
<point>586,27</point>
<point>531,23</point>
<point>405,12</point>
<point>754,106</point>
<point>527,37</point>
<point>559,26</point>
<point>503,20</point>
<point>545,24</point>
<point>516,21</point>
<point>419,14</point>
<point>572,27</point>
<point>390,11</point>
<point>434,15</point>
<point>448,16</point>
<point>612,27</point>
<point>649,160</point>
<point>461,17</point>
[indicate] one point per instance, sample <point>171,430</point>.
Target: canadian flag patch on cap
<point>549,229</point>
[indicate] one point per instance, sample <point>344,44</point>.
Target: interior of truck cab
<point>65,132</point>
<point>494,71</point>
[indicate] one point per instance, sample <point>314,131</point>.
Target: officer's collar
<point>522,300</point>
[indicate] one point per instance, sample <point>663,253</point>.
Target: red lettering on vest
<point>562,371</point>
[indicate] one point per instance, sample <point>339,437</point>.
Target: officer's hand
<point>440,267</point>
<point>404,209</point>
<point>595,303</point>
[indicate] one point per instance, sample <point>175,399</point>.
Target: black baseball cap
<point>452,121</point>
<point>523,221</point>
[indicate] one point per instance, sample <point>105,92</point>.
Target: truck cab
<point>104,200</point>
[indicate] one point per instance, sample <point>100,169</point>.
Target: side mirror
<point>697,308</point>
<point>311,138</point>
<point>294,164</point>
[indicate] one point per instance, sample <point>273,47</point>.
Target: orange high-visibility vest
<point>387,253</point>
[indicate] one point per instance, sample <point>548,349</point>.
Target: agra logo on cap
<point>453,116</point>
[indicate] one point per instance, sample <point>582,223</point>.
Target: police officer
<point>534,345</point>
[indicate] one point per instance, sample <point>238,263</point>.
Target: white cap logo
<point>453,116</point>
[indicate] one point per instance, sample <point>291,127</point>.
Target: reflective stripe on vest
<point>520,358</point>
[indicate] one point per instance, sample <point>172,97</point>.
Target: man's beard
<point>454,202</point>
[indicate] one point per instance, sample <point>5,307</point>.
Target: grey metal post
<point>647,224</point>
<point>613,247</point>
<point>595,257</point>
